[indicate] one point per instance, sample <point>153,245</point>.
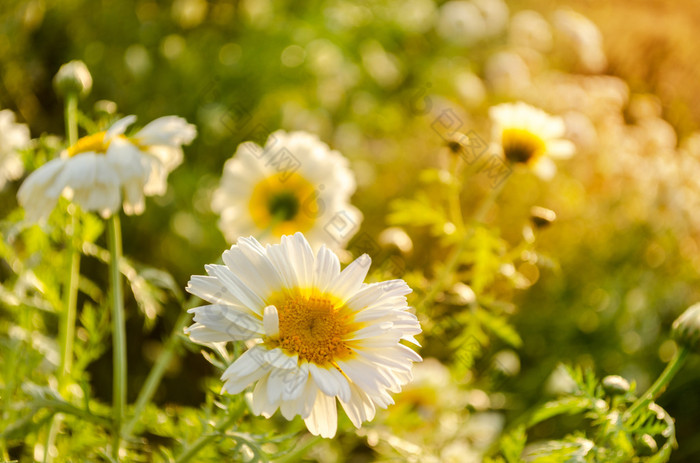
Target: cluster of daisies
<point>314,333</point>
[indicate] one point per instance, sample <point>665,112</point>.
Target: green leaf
<point>567,405</point>
<point>500,327</point>
<point>417,212</point>
<point>513,443</point>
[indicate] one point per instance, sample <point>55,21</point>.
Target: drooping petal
<point>323,420</point>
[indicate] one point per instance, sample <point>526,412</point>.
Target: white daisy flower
<point>296,183</point>
<point>318,333</point>
<point>99,168</point>
<point>530,136</point>
<point>13,137</point>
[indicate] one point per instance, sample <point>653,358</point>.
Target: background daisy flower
<point>530,136</point>
<point>295,183</point>
<point>319,333</point>
<point>13,137</point>
<point>98,168</point>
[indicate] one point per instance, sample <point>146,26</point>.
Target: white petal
<point>360,407</point>
<point>294,260</point>
<point>323,420</point>
<point>350,279</point>
<point>119,127</point>
<point>237,324</point>
<point>211,289</point>
<point>561,149</point>
<point>243,372</point>
<point>167,130</point>
<point>238,289</point>
<point>545,168</point>
<point>330,381</point>
<point>326,268</point>
<point>250,361</point>
<point>261,404</point>
<point>295,381</point>
<point>249,262</point>
<point>279,359</point>
<point>271,321</point>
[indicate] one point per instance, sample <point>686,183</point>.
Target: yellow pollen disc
<point>313,328</point>
<point>94,143</point>
<point>284,204</point>
<point>520,145</point>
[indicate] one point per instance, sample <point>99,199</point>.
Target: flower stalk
<point>156,374</point>
<point>660,384</point>
<point>118,332</point>
<point>69,314</point>
<point>192,450</point>
<point>71,295</point>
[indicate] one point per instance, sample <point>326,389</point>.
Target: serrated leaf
<point>513,443</point>
<point>567,405</point>
<point>500,327</point>
<point>573,450</point>
<point>416,212</point>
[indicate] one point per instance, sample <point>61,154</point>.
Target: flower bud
<point>73,77</point>
<point>106,107</point>
<point>645,445</point>
<point>541,216</point>
<point>615,385</point>
<point>686,328</point>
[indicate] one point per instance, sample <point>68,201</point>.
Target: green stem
<point>67,326</point>
<point>660,384</point>
<point>454,256</point>
<point>71,118</point>
<point>118,332</point>
<point>156,374</point>
<point>70,409</point>
<point>206,439</point>
<point>299,452</point>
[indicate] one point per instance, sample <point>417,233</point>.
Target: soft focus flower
<point>530,136</point>
<point>319,333</point>
<point>73,77</point>
<point>460,22</point>
<point>506,72</point>
<point>99,168</point>
<point>529,29</point>
<point>13,137</point>
<point>583,36</point>
<point>495,14</point>
<point>295,183</point>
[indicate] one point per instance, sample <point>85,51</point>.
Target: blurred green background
<point>352,73</point>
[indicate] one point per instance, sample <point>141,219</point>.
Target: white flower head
<point>295,183</point>
<point>13,137</point>
<point>530,136</point>
<point>97,170</point>
<point>318,333</point>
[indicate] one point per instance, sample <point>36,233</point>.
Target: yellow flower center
<point>284,204</point>
<point>313,328</point>
<point>520,145</point>
<point>95,142</point>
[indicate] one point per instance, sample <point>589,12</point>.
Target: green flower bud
<point>73,77</point>
<point>686,328</point>
<point>106,107</point>
<point>615,385</point>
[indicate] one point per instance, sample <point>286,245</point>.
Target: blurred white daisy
<point>530,136</point>
<point>13,137</point>
<point>317,333</point>
<point>99,168</point>
<point>296,183</point>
